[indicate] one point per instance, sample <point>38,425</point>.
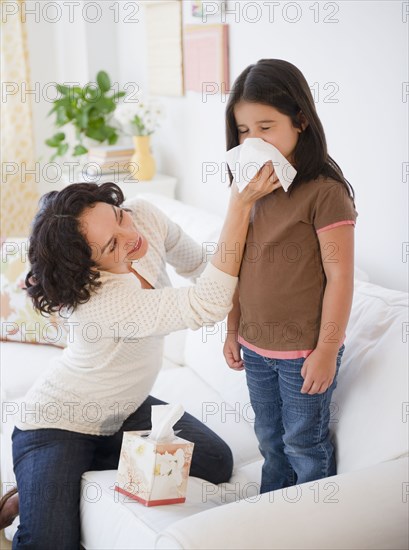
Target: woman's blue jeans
<point>292,428</point>
<point>49,463</point>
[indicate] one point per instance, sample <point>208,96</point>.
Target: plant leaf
<point>90,93</point>
<point>64,90</point>
<point>118,95</point>
<point>62,149</point>
<point>55,140</point>
<point>63,115</point>
<point>104,105</point>
<point>103,81</point>
<point>79,150</point>
<point>82,119</point>
<point>51,143</point>
<point>95,133</point>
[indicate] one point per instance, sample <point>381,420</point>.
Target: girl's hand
<point>263,183</point>
<point>318,372</point>
<point>231,352</point>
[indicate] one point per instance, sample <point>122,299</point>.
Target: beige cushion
<point>19,321</point>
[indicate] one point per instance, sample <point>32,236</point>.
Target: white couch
<point>364,506</point>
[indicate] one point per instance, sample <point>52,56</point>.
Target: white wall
<point>364,54</point>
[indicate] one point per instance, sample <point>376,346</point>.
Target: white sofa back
<point>369,410</point>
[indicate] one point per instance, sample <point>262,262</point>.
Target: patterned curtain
<point>18,190</point>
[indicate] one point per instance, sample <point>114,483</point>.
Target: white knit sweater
<point>116,339</point>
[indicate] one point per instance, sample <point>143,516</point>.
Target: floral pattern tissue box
<point>153,472</point>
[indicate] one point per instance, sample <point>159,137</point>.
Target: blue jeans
<point>291,427</point>
<point>49,463</point>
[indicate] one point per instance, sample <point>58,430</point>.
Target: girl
<point>295,288</point>
<point>105,266</point>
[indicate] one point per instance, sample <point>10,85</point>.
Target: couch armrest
<point>362,509</point>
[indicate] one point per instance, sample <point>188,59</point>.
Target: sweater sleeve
<point>181,251</point>
<point>122,309</point>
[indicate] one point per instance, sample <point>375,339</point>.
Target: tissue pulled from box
<point>164,417</point>
<point>246,159</point>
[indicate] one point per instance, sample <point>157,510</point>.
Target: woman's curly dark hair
<point>61,269</point>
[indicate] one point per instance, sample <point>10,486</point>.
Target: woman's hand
<point>236,224</point>
<point>263,183</point>
<point>231,352</point>
<point>318,372</point>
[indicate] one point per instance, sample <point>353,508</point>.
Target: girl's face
<point>111,233</point>
<point>256,120</point>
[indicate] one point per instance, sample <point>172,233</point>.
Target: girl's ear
<point>303,121</point>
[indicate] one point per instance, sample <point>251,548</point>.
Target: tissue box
<point>151,472</point>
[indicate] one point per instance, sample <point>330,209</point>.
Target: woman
<point>102,267</point>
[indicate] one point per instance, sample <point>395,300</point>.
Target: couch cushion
<point>21,364</point>
<point>132,525</point>
<point>369,414</point>
<point>19,321</point>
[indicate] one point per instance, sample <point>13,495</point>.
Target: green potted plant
<point>89,110</point>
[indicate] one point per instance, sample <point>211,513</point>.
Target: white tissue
<point>164,417</point>
<point>246,159</point>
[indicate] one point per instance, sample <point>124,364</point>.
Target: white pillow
<point>369,413</point>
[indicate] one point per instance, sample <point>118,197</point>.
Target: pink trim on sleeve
<point>332,225</point>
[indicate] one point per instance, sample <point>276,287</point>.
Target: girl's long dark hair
<point>281,85</point>
<point>62,273</point>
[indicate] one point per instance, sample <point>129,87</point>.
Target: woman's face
<point>255,120</point>
<point>111,233</point>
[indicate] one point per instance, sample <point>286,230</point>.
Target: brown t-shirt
<point>282,279</point>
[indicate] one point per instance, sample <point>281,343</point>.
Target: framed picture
<point>206,58</point>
